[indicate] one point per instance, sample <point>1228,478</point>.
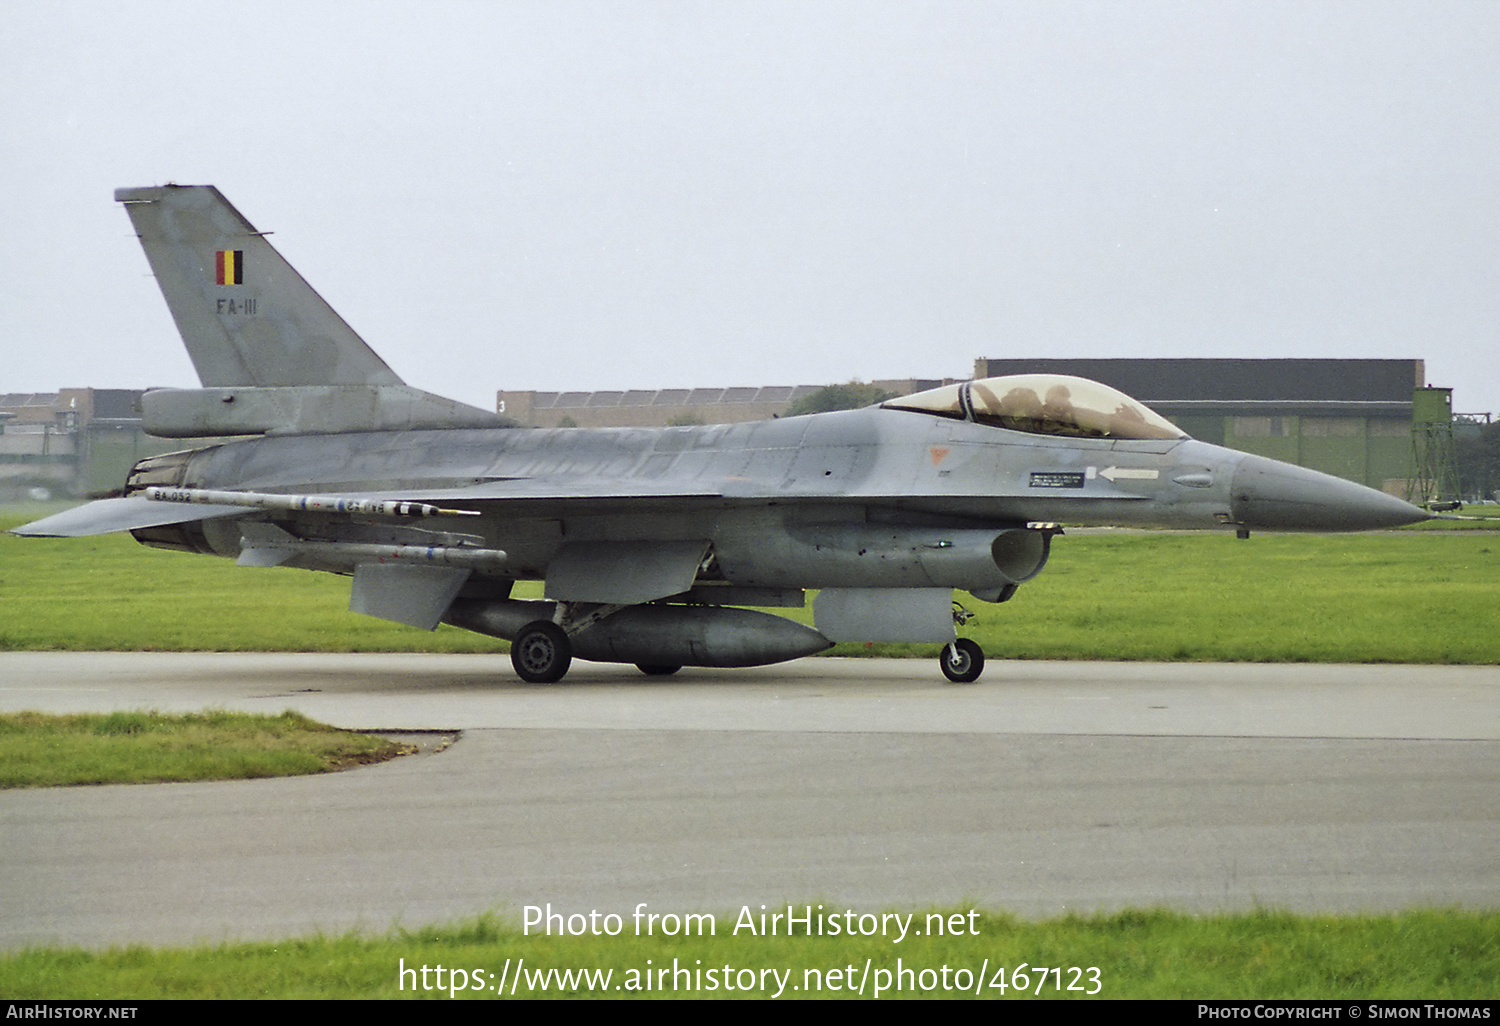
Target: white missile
<point>303,503</point>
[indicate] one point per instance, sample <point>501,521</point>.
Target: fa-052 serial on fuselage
<point>650,541</point>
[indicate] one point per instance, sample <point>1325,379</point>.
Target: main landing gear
<point>541,653</point>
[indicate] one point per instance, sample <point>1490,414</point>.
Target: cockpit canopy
<point>1042,404</point>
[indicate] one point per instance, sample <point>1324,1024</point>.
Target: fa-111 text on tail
<point>650,541</point>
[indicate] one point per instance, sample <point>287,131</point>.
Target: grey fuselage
<point>763,492</point>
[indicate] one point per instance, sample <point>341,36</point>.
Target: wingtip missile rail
<point>303,503</point>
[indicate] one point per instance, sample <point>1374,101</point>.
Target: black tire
<point>541,653</point>
<point>962,661</point>
<point>657,669</point>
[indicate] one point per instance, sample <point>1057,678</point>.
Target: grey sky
<point>629,195</point>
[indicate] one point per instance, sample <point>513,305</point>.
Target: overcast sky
<point>627,194</point>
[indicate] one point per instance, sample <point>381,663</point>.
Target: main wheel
<point>541,653</point>
<point>657,669</point>
<point>962,661</point>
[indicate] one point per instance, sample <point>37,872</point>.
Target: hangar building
<point>79,441</point>
<point>1351,418</point>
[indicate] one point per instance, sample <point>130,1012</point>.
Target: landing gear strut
<point>962,661</point>
<point>541,653</point>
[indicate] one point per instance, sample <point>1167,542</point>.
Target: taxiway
<point>1044,788</point>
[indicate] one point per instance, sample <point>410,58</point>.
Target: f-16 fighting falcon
<point>650,541</point>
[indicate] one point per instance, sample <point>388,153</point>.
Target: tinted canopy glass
<point>1043,404</point>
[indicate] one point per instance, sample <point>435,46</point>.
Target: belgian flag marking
<point>229,266</point>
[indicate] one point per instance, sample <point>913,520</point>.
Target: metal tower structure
<point>1434,477</point>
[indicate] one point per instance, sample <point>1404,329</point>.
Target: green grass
<point>1473,518</point>
<point>1432,955</point>
<point>109,593</point>
<point>1401,597</point>
<point>38,750</point>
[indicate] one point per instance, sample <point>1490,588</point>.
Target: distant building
<point>1350,418</point>
<point>75,442</point>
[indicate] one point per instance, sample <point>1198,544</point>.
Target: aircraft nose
<point>1271,495</point>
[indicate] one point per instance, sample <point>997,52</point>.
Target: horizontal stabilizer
<point>128,514</point>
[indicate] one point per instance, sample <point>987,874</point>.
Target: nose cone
<point>1280,497</point>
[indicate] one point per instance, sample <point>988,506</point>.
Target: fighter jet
<point>651,542</point>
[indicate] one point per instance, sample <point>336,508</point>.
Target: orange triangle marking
<point>937,454</point>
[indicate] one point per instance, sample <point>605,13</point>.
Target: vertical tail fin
<point>246,317</point>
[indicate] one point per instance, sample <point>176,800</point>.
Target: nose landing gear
<point>962,660</point>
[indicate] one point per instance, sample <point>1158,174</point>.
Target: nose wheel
<point>962,661</point>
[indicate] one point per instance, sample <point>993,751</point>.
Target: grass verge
<point>1432,955</point>
<point>1401,597</point>
<point>38,750</point>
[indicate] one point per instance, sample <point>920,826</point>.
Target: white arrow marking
<point>1129,473</point>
